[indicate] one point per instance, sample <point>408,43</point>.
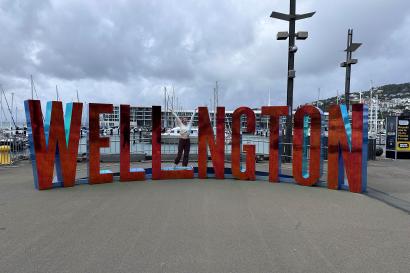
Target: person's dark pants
<point>183,146</point>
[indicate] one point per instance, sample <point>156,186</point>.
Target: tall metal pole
<point>350,48</point>
<point>291,68</point>
<point>292,17</point>
<point>348,68</point>
<point>291,60</point>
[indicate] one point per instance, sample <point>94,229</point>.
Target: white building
<point>141,117</point>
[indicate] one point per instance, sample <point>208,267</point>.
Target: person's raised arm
<point>179,122</point>
<point>191,120</point>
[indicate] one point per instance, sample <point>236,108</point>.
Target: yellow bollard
<point>5,155</point>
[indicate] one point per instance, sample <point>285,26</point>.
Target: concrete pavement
<point>196,226</point>
<point>389,181</point>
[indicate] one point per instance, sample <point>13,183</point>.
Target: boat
<point>171,136</point>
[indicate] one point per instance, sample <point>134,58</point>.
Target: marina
<point>140,140</point>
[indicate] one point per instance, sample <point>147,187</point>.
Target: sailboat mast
<point>267,120</point>
<point>337,96</point>
<point>32,87</point>
<point>1,111</point>
<point>217,95</point>
<point>165,108</point>
<point>215,101</point>
<point>11,110</point>
<point>57,92</point>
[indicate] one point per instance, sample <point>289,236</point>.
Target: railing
<point>142,146</point>
<point>14,149</point>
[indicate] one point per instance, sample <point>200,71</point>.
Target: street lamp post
<point>350,48</point>
<point>292,17</point>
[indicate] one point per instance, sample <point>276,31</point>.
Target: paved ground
<point>392,176</point>
<point>388,180</point>
<point>201,226</point>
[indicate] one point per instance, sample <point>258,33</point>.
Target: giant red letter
<point>55,143</point>
<point>216,148</point>
<point>347,148</point>
<point>249,173</point>
<point>274,113</point>
<point>127,174</point>
<point>301,173</point>
<point>95,175</point>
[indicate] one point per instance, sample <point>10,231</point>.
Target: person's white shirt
<point>184,130</point>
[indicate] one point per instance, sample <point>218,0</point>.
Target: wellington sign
<point>55,142</point>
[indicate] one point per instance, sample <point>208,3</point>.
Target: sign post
<point>398,137</point>
<point>391,136</point>
<point>403,134</point>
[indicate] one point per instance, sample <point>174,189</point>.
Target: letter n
<point>216,147</point>
<point>347,147</point>
<point>53,143</point>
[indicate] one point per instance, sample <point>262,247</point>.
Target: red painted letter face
<point>126,173</point>
<point>274,113</point>
<point>347,148</point>
<point>249,173</point>
<point>307,172</point>
<point>55,143</point>
<point>157,171</point>
<point>206,137</point>
<point>95,175</point>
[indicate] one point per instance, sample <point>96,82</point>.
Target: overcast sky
<point>127,51</point>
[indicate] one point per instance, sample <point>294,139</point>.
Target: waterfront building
<point>140,117</point>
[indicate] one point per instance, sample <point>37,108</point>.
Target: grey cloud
<point>126,51</point>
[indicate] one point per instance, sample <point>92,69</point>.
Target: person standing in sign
<point>184,143</point>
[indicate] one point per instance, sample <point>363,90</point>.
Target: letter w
<point>53,143</point>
